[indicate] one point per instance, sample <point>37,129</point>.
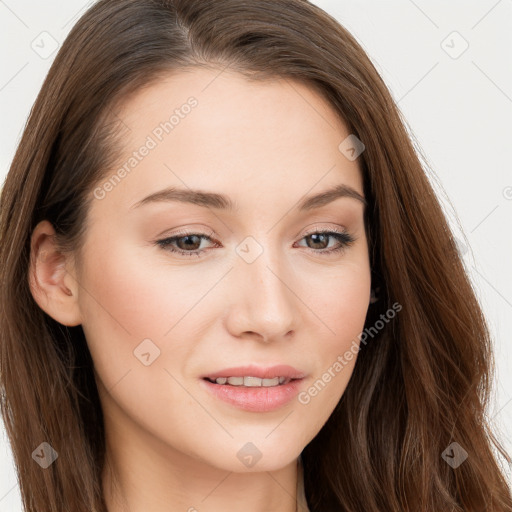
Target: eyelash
<point>344,238</point>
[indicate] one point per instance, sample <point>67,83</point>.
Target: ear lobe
<point>52,286</point>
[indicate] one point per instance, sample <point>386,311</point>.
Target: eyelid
<point>316,229</point>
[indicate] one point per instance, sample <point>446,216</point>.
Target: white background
<point>458,109</point>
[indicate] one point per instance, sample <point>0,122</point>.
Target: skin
<point>170,444</point>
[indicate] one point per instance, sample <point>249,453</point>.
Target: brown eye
<point>192,242</point>
<point>187,244</point>
<point>319,241</point>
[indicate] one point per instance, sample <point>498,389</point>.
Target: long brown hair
<point>421,384</point>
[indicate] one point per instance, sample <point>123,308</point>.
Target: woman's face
<point>262,290</point>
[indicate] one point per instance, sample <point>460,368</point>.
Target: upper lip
<point>252,370</point>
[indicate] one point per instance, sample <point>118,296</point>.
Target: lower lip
<point>255,399</point>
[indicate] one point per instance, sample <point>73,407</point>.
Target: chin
<point>249,457</point>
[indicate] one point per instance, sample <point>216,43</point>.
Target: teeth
<point>252,381</point>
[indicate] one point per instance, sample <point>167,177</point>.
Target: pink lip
<point>270,372</point>
<point>254,399</point>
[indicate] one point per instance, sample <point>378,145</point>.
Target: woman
<point>227,281</point>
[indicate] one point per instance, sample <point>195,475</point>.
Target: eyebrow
<point>223,202</point>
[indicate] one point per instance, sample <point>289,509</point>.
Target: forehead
<point>218,130</point>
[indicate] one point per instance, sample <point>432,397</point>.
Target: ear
<point>51,277</point>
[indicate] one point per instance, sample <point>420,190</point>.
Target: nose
<point>262,304</point>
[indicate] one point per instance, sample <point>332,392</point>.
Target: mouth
<point>253,394</point>
<point>250,381</point>
<point>255,388</point>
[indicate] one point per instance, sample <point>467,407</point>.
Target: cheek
<point>346,304</point>
<point>131,292</point>
<point>121,306</point>
<point>342,308</point>
<point>127,306</point>
<point>131,296</point>
<point>340,300</point>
